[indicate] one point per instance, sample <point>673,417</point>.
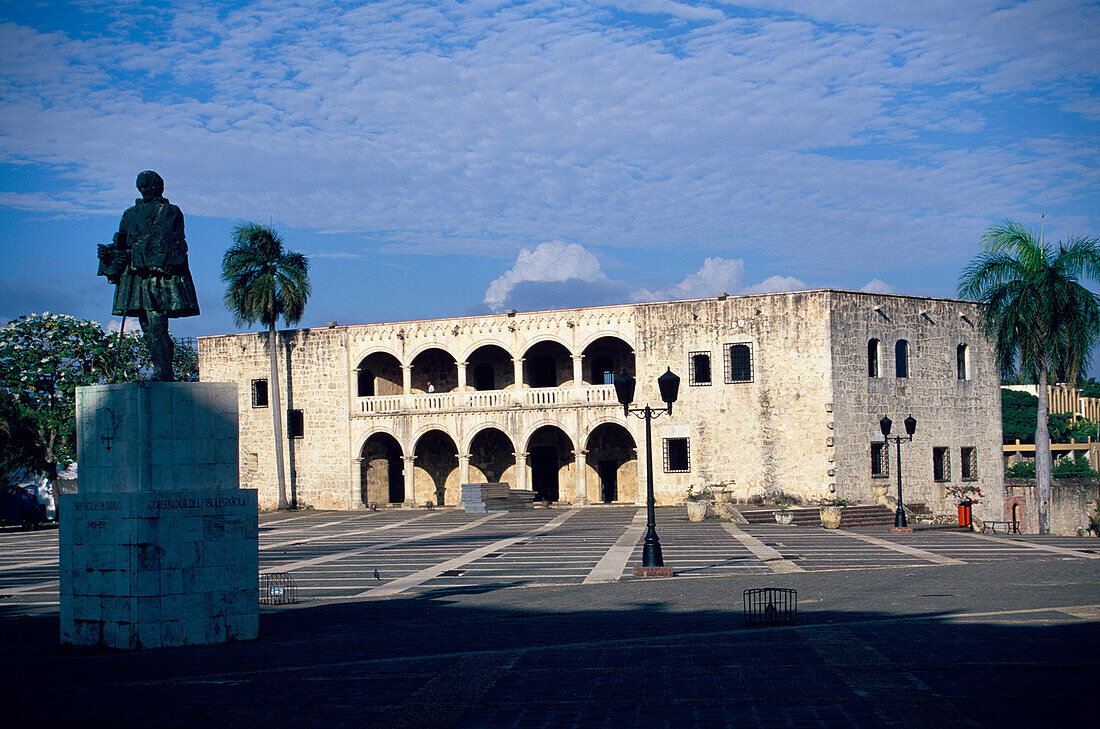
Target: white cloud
<point>718,275</point>
<point>553,261</point>
<point>878,287</point>
<point>775,284</point>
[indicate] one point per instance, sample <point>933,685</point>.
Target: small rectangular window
<point>969,463</point>
<point>738,363</point>
<point>699,370</point>
<point>295,424</point>
<point>259,393</point>
<point>941,464</point>
<point>880,460</point>
<point>676,455</point>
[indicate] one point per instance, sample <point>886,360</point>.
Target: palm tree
<point>1040,319</point>
<point>265,282</point>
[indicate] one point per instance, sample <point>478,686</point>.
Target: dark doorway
<point>396,473</point>
<point>382,477</point>
<point>366,383</point>
<point>609,481</point>
<point>544,472</point>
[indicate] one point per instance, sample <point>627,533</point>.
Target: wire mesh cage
<point>771,606</point>
<point>278,588</point>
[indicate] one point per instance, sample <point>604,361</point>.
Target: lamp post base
<point>653,572</point>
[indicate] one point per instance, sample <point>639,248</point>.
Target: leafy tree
<point>1063,428</point>
<point>1040,319</point>
<point>1076,467</point>
<point>43,359</point>
<point>1090,388</point>
<point>263,283</point>
<point>1018,416</point>
<point>21,447</point>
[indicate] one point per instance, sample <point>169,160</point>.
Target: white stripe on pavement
<point>772,559</point>
<point>417,578</point>
<point>611,565</point>
<point>290,566</point>
<point>903,548</point>
<point>354,532</point>
<point>1033,545</point>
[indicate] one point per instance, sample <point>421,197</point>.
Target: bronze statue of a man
<point>148,265</point>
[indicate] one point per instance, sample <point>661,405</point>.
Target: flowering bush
<point>965,492</point>
<point>45,357</point>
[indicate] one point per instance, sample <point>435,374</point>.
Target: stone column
<point>463,468</point>
<point>517,363</point>
<point>461,376</point>
<point>578,380</point>
<point>356,479</point>
<point>580,491</point>
<point>640,489</point>
<point>521,470</point>
<point>410,479</point>
<point>407,384</point>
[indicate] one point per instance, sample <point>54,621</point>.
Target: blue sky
<point>446,158</point>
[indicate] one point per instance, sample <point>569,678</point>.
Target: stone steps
<point>852,516</point>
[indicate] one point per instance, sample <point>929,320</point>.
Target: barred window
<point>676,455</point>
<point>880,460</point>
<point>295,424</point>
<point>739,363</point>
<point>700,369</point>
<point>259,393</point>
<point>941,464</point>
<point>969,463</point>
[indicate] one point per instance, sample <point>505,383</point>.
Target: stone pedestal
<point>159,547</point>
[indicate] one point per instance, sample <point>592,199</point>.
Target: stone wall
<point>1072,502</point>
<point>950,412</point>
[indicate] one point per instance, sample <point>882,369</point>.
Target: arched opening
<point>612,463</point>
<point>547,364</point>
<point>901,358</point>
<point>550,460</point>
<point>492,458</point>
<point>490,368</point>
<point>603,358</point>
<point>381,471</point>
<point>379,374</point>
<point>962,362</point>
<point>873,347</point>
<point>435,475</point>
<point>434,370</point>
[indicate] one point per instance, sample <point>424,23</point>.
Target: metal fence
<point>771,606</point>
<point>278,588</point>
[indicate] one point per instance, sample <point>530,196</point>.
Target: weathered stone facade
<point>777,393</point>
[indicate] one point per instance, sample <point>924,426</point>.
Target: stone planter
<point>724,496</point>
<point>697,510</point>
<point>880,494</point>
<point>784,518</point>
<point>830,516</point>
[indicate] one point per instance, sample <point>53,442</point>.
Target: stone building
<point>779,392</point>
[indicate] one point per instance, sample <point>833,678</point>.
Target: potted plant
<point>696,504</point>
<point>782,511</point>
<point>830,511</point>
<point>965,495</point>
<point>783,515</point>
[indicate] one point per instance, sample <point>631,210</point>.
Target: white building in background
<point>779,392</point>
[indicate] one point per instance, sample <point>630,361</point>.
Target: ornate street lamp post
<point>669,385</point>
<point>885,424</point>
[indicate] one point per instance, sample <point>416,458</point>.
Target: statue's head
<point>150,184</point>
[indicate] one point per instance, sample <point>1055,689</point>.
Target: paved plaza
<point>532,619</point>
